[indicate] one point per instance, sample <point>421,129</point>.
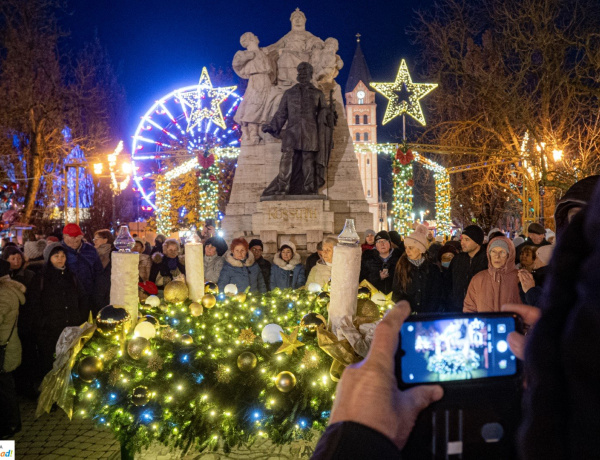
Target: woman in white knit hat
<point>418,279</point>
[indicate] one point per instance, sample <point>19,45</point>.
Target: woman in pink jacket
<point>499,284</point>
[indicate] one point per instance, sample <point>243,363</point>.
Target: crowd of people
<point>51,282</point>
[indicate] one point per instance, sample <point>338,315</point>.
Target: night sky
<point>157,46</point>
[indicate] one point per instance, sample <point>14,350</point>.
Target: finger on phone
<point>516,342</point>
<point>529,313</point>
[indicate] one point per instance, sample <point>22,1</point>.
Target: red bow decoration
<point>404,157</point>
<point>206,162</point>
<point>149,287</point>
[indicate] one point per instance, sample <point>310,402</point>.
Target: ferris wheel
<point>181,125</point>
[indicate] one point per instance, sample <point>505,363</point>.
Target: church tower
<point>362,121</point>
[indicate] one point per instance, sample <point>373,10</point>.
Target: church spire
<point>358,70</point>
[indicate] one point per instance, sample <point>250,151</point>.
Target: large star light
<point>404,83</point>
<point>205,102</point>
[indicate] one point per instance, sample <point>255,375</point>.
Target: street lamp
<point>116,186</point>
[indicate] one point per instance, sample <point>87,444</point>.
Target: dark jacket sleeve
<point>262,287</point>
<point>353,441</point>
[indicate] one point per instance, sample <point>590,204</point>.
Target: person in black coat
<point>56,300</point>
<point>256,248</point>
<point>536,237</point>
<point>378,265</point>
<point>466,265</point>
<point>417,279</point>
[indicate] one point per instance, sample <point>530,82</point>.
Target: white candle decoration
<point>124,282</point>
<point>345,273</point>
<point>194,270</point>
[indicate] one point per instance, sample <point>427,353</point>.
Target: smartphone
<point>438,348</point>
<point>468,355</point>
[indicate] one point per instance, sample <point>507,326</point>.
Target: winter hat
<point>543,255</point>
<point>382,235</point>
<point>518,240</point>
<point>52,239</point>
<point>370,231</point>
<point>52,249</point>
<point>11,251</point>
<point>218,243</point>
<point>498,243</point>
<point>289,245</point>
<point>536,228</point>
<point>395,238</point>
<point>256,242</point>
<point>439,238</point>
<point>475,233</point>
<point>34,249</point>
<point>139,240</point>
<point>445,249</point>
<point>73,230</point>
<point>418,238</point>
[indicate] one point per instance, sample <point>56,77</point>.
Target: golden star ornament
<point>416,91</point>
<point>290,342</point>
<point>199,99</point>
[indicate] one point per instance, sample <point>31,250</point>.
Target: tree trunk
<point>34,170</point>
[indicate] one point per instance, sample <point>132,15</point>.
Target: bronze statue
<point>307,139</point>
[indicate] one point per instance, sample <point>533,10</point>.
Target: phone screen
<point>463,348</point>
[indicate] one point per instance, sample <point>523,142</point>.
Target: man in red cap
<point>84,262</point>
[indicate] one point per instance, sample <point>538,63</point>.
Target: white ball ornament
<point>270,333</point>
<point>314,287</point>
<point>153,301</point>
<point>145,329</point>
<point>230,290</point>
<point>379,299</point>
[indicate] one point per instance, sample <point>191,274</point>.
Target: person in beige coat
<point>499,284</point>
<point>12,296</point>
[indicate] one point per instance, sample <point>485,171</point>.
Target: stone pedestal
<point>303,220</point>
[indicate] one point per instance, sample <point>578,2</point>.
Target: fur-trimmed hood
<point>238,263</point>
<point>17,288</point>
<point>296,259</point>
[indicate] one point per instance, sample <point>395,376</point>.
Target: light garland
<point>402,206</point>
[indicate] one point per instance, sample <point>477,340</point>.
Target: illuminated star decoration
<point>206,93</point>
<point>416,91</point>
<point>290,342</point>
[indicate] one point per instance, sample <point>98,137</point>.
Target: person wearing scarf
<point>240,269</point>
<point>417,278</point>
<point>499,284</point>
<point>287,270</point>
<point>165,267</point>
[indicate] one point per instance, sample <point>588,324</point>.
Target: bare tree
<point>508,68</point>
<point>51,103</point>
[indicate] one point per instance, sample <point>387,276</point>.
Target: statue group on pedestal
<point>283,87</point>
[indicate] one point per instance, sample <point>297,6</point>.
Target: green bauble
<point>89,368</point>
<point>247,361</point>
<point>113,321</point>
<point>137,346</point>
<point>140,396</point>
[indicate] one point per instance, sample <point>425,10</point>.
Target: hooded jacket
<point>85,264</point>
<point>491,288</point>
<point>243,274</point>
<point>12,296</point>
<point>287,274</point>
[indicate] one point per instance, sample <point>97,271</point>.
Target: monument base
<point>292,197</point>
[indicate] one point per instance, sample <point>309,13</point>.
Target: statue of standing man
<point>306,141</point>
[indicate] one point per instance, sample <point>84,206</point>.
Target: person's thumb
<point>418,398</point>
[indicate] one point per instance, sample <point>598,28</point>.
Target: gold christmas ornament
<point>247,361</point>
<point>211,288</point>
<point>89,368</point>
<point>323,299</point>
<point>209,301</point>
<point>311,321</point>
<point>140,396</point>
<point>196,309</point>
<point>137,346</point>
<point>241,297</point>
<point>285,381</point>
<point>364,293</point>
<point>176,292</point>
<point>187,339</point>
<point>113,321</point>
<point>247,337</point>
<point>290,342</point>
